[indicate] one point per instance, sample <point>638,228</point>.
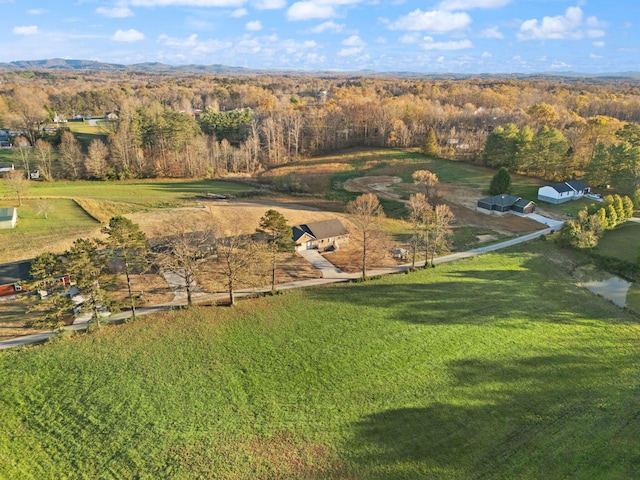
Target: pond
<point>611,287</point>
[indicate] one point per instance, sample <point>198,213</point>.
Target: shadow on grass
<point>476,297</point>
<point>557,416</point>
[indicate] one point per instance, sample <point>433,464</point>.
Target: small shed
<point>8,217</point>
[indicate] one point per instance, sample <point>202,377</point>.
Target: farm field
<point>483,368</point>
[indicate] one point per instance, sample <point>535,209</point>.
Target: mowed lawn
<point>622,243</point>
<point>491,367</point>
<point>68,220</point>
<point>144,193</point>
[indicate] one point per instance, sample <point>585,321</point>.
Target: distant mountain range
<point>156,67</point>
<point>93,66</point>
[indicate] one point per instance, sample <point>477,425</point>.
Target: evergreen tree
<point>501,182</point>
<point>430,145</point>
<point>128,244</point>
<point>280,238</point>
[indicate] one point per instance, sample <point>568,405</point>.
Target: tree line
<point>197,125</point>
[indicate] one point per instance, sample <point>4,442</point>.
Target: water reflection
<point>609,286</point>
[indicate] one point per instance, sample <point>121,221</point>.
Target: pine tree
<point>430,145</point>
<point>500,183</point>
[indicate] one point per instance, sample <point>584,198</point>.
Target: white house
<point>563,191</point>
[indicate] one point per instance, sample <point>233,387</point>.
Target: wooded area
<point>196,126</point>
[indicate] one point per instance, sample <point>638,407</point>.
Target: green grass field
<point>145,193</point>
<point>69,220</point>
<point>623,242</point>
<point>483,368</point>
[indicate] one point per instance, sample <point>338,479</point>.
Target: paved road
<point>331,274</point>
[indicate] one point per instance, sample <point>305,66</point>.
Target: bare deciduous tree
<point>427,181</point>
<point>238,259</point>
<point>420,212</point>
<point>17,182</point>
<point>184,253</point>
<point>42,152</point>
<point>366,213</point>
<point>95,164</point>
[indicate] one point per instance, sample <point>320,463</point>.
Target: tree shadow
<point>478,297</point>
<point>556,416</point>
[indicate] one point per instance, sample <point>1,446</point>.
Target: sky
<point>442,36</point>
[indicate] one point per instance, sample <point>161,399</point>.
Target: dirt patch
<point>230,217</point>
<point>380,185</point>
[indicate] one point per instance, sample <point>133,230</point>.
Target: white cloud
<point>187,3</point>
<point>354,45</point>
<point>491,33</point>
<point>381,40</point>
<point>253,26</point>
<point>595,56</point>
<point>354,41</point>
<point>410,38</point>
<point>435,21</point>
<point>350,52</point>
<point>486,55</point>
<point>240,12</point>
<point>27,30</point>
<point>308,10</point>
<point>131,35</point>
<point>115,12</point>
<point>561,27</point>
<point>598,44</point>
<point>191,41</point>
<point>269,4</point>
<point>429,44</point>
<point>470,4</point>
<point>329,26</point>
<point>36,11</point>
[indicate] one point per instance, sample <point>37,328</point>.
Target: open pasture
<point>483,368</point>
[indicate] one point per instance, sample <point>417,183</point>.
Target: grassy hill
<point>492,367</point>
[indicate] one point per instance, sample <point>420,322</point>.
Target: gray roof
<point>523,203</point>
<point>503,200</point>
<point>320,230</point>
<point>579,185</point>
<point>14,272</point>
<point>570,186</point>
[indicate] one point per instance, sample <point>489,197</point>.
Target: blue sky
<point>457,36</point>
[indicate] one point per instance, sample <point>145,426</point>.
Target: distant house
<point>503,204</point>
<point>563,191</point>
<point>8,217</point>
<point>11,277</point>
<point>111,115</point>
<point>6,167</point>
<point>4,138</point>
<point>323,235</point>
